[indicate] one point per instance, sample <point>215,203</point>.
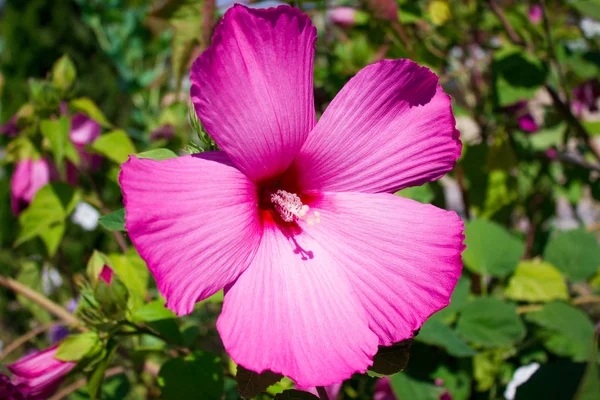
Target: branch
<point>512,34</point>
<point>588,299</point>
<point>15,344</point>
<point>565,111</point>
<point>39,299</point>
<point>78,384</point>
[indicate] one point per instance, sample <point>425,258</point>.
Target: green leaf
<point>132,271</point>
<point>575,253</point>
<point>154,311</point>
<point>115,221</point>
<point>491,249</point>
<point>57,133</point>
<point>157,154</point>
<point>115,145</point>
<point>391,359</point>
<point>490,322</point>
<point>588,8</point>
<point>63,73</point>
<point>547,137</point>
<point>589,388</point>
<point>160,319</point>
<point>97,376</point>
<point>486,366</point>
<point>295,395</point>
<point>76,347</point>
<point>459,298</point>
<point>536,281</point>
<point>250,384</point>
<point>422,194</point>
<point>436,333</point>
<point>406,387</point>
<point>89,108</point>
<point>517,75</point>
<point>21,148</point>
<point>197,376</point>
<point>45,216</point>
<point>573,330</point>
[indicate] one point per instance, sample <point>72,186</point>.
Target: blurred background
<point>84,83</point>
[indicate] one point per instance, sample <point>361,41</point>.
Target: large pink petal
<point>253,87</point>
<point>390,127</point>
<point>293,312</point>
<point>402,257</point>
<point>194,220</point>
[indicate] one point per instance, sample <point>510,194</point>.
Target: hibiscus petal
<point>194,220</point>
<point>389,128</point>
<point>293,312</point>
<point>36,364</point>
<point>253,88</point>
<point>29,177</point>
<point>402,257</point>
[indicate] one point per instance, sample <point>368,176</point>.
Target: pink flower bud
<point>38,375</point>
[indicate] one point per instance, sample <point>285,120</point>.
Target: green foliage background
<point>530,290</point>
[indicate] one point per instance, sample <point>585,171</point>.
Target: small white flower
<point>85,216</point>
<point>521,375</point>
<point>51,279</point>
<point>590,27</point>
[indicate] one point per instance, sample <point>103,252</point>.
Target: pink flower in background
<point>525,120</point>
<point>585,97</point>
<point>384,9</point>
<point>37,376</point>
<point>344,16</point>
<point>28,177</point>
<point>84,131</point>
<point>527,123</point>
<point>383,390</point>
<point>10,128</point>
<point>106,274</point>
<point>535,13</point>
<point>320,262</point>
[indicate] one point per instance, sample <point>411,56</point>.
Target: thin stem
<point>565,111</point>
<point>588,299</point>
<point>561,76</point>
<point>39,299</point>
<point>322,393</point>
<point>18,342</point>
<point>512,34</point>
<point>78,384</point>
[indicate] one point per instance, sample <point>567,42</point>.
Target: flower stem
<point>78,384</point>
<point>39,299</point>
<point>322,393</point>
<point>15,344</point>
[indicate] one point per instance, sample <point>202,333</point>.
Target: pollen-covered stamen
<point>289,206</point>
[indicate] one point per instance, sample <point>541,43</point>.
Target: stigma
<point>290,208</point>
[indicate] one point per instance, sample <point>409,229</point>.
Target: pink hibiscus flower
<point>321,264</point>
<point>28,177</point>
<point>84,131</point>
<point>36,376</point>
